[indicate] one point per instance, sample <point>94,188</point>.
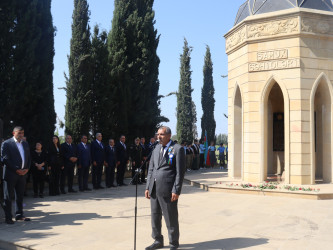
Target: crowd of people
<point>58,163</point>
<point>195,155</point>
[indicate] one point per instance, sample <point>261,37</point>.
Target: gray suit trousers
<point>169,209</point>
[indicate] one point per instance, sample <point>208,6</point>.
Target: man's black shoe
<point>100,187</point>
<point>113,185</point>
<point>87,189</point>
<point>124,184</point>
<point>63,191</point>
<point>173,248</point>
<point>9,221</point>
<point>72,191</point>
<point>22,218</point>
<point>155,245</point>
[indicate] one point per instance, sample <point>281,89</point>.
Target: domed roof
<point>254,7</point>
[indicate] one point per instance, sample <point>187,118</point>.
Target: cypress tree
<point>27,51</point>
<point>184,97</point>
<point>207,98</point>
<point>78,85</point>
<point>119,71</point>
<point>101,91</point>
<point>134,65</point>
<point>7,25</point>
<point>44,58</point>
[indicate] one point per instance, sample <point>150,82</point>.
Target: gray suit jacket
<point>168,172</point>
<point>12,160</point>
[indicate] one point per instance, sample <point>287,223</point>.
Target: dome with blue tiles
<point>255,7</point>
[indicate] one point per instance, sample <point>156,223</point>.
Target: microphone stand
<point>138,171</point>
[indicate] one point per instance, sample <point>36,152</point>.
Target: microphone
<point>155,143</point>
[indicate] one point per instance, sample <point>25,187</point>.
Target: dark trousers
<point>70,176</point>
<point>121,173</point>
<point>62,179</point>
<point>202,158</point>
<point>222,159</point>
<point>96,173</point>
<point>109,175</point>
<point>9,187</point>
<point>38,179</point>
<point>163,205</point>
<point>83,176</point>
<point>54,180</point>
<point>143,173</point>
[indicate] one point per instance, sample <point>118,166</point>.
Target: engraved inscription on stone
<point>272,55</point>
<point>274,65</point>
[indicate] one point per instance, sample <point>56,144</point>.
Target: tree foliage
<point>184,97</point>
<point>207,99</point>
<point>26,67</point>
<point>101,89</point>
<point>78,84</point>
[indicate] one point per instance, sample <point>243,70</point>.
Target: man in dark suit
<point>145,152</point>
<point>84,162</point>
<point>164,184</point>
<point>111,161</point>
<point>16,158</point>
<point>122,160</point>
<point>70,158</point>
<point>98,158</point>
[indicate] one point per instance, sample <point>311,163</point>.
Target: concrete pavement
<point>104,219</point>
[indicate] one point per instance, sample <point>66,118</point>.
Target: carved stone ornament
<point>237,38</point>
<point>273,28</point>
<point>315,26</point>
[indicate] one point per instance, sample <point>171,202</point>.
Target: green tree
<point>184,97</point>
<point>101,91</point>
<point>78,84</point>
<point>133,42</point>
<point>207,99</point>
<point>44,129</point>
<point>7,41</point>
<point>29,83</point>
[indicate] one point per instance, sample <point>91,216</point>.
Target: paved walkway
<point>104,219</point>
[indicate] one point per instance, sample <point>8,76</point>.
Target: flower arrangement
<point>272,186</point>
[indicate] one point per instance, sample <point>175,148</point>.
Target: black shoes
<point>22,218</point>
<point>9,221</point>
<point>63,192</point>
<point>173,248</point>
<point>72,191</point>
<point>87,189</point>
<point>155,245</point>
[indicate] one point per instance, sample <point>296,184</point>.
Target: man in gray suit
<point>15,155</point>
<point>164,184</point>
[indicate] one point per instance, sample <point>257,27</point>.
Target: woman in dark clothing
<point>55,165</point>
<point>136,158</point>
<point>38,168</point>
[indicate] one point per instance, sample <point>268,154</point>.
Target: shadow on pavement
<point>225,244</point>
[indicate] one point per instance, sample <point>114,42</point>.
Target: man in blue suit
<point>98,158</point>
<point>70,158</point>
<point>16,158</point>
<point>84,162</point>
<point>110,159</point>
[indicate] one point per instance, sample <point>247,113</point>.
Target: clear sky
<point>201,22</point>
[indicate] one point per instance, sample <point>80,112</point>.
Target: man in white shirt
<point>15,155</point>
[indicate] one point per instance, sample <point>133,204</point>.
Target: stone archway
<point>321,129</point>
<point>238,134</point>
<point>275,141</point>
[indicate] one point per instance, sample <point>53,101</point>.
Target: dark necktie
<point>161,153</point>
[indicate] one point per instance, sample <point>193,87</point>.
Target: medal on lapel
<point>171,152</point>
